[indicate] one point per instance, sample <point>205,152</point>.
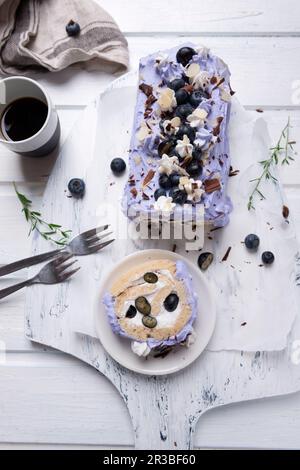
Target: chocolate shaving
<point>231,90</point>
<point>218,84</point>
<point>145,196</point>
<point>258,110</point>
<point>213,80</point>
<point>285,211</point>
<point>216,130</point>
<point>212,185</point>
<point>149,101</point>
<point>131,181</point>
<point>244,323</point>
<point>146,89</point>
<point>225,257</point>
<point>134,192</point>
<point>189,88</point>
<point>148,177</point>
<point>233,172</point>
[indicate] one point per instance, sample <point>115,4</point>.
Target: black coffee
<point>23,118</point>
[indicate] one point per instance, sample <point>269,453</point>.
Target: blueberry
<point>182,96</point>
<point>76,187</point>
<point>131,312</point>
<point>252,241</point>
<point>151,278</point>
<point>149,322</point>
<point>267,257</point>
<point>194,169</point>
<point>118,166</point>
<point>184,55</point>
<point>142,305</point>
<point>178,196</point>
<point>184,110</point>
<point>204,260</point>
<point>197,154</point>
<point>197,97</point>
<point>166,146</point>
<point>171,302</point>
<point>73,28</point>
<point>159,192</point>
<point>164,182</point>
<point>186,130</point>
<point>174,179</point>
<point>176,84</point>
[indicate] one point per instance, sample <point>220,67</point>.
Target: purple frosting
<point>182,274</point>
<point>143,155</point>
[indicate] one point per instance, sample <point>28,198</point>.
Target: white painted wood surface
<point>260,41</point>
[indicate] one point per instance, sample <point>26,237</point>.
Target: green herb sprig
<point>282,153</point>
<point>49,231</point>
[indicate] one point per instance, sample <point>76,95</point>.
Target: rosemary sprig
<point>280,152</point>
<point>49,231</point>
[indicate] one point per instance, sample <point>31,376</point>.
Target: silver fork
<point>54,272</point>
<point>85,243</point>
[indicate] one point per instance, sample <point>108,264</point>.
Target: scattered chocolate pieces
<point>219,83</point>
<point>225,257</point>
<point>146,89</point>
<point>233,172</point>
<point>134,192</point>
<point>244,323</point>
<point>212,185</point>
<point>258,110</point>
<point>285,211</point>
<point>148,177</point>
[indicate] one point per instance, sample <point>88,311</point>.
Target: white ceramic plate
<point>119,348</point>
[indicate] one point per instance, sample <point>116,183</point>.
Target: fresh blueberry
<point>131,312</point>
<point>118,166</point>
<point>166,146</point>
<point>204,260</point>
<point>176,84</point>
<point>184,110</point>
<point>73,28</point>
<point>164,182</point>
<point>194,169</point>
<point>182,96</point>
<point>76,187</point>
<point>159,192</point>
<point>186,130</point>
<point>252,241</point>
<point>267,257</point>
<point>197,97</point>
<point>174,179</point>
<point>184,55</point>
<point>197,154</point>
<point>171,302</point>
<point>178,196</point>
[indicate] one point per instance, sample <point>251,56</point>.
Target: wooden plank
<point>212,16</point>
<point>52,400</point>
<point>250,59</point>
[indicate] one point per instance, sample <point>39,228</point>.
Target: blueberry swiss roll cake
<point>179,152</point>
<point>154,306</point>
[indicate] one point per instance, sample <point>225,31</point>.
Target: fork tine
<point>64,276</point>
<point>99,246</point>
<point>63,267</point>
<point>97,238</point>
<point>94,231</point>
<point>62,258</point>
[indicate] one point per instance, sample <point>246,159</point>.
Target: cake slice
<point>154,305</point>
<point>179,153</point>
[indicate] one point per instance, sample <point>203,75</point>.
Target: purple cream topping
<point>144,157</point>
<point>182,274</point>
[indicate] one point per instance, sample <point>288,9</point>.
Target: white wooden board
<point>164,411</point>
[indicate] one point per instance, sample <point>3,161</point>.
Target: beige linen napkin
<point>33,37</point>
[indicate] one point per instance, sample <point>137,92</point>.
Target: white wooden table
<point>49,400</point>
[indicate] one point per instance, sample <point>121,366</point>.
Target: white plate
<point>119,348</point>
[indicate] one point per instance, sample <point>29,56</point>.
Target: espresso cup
<point>45,139</point>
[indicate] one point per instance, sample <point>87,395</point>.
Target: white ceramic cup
<point>47,138</point>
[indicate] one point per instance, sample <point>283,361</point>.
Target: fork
<point>52,273</point>
<point>85,243</point>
